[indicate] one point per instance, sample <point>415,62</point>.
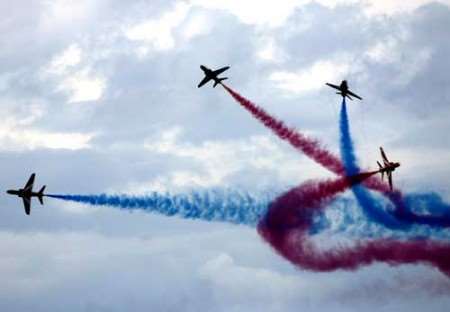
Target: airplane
<point>388,167</point>
<point>212,75</point>
<point>27,193</point>
<point>343,90</point>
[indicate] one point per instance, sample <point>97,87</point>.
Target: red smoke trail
<point>289,218</point>
<point>308,146</point>
<point>312,148</point>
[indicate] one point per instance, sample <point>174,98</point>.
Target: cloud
<point>74,76</point>
<point>151,129</point>
<point>158,33</point>
<point>19,132</point>
<point>252,12</point>
<point>239,275</point>
<point>218,162</point>
<point>83,86</point>
<point>70,57</point>
<point>62,13</point>
<point>397,7</point>
<point>28,139</point>
<point>310,79</point>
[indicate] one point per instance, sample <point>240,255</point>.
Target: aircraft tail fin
<point>41,195</point>
<point>219,81</point>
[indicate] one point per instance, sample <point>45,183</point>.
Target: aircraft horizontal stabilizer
<point>219,81</point>
<point>41,195</point>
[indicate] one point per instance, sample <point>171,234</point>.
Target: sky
<point>101,97</point>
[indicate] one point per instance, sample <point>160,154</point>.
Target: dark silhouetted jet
<point>27,193</point>
<point>212,75</point>
<point>388,167</point>
<point>343,90</point>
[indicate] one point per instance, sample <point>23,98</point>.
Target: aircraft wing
<point>390,179</point>
<point>354,95</point>
<point>202,83</point>
<point>333,86</point>
<point>27,204</point>
<point>221,70</point>
<point>29,185</point>
<point>385,159</point>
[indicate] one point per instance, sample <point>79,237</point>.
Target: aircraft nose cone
<point>9,192</point>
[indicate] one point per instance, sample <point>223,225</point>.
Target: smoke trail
<point>286,228</point>
<point>308,146</point>
<point>372,208</point>
<point>442,220</point>
<point>402,215</point>
<point>312,149</point>
<point>347,150</point>
<point>226,206</point>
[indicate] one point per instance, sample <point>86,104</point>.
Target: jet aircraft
<point>212,75</point>
<point>27,193</point>
<point>388,167</point>
<point>343,90</point>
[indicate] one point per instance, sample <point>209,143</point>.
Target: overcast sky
<point>101,96</point>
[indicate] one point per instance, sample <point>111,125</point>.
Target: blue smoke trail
<point>428,209</point>
<point>418,207</point>
<point>372,208</point>
<point>342,217</point>
<point>215,205</point>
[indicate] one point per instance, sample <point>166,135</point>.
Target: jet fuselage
<point>343,88</point>
<point>22,193</point>
<point>212,75</point>
<point>390,167</point>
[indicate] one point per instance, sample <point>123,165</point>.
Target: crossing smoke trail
<point>372,208</point>
<point>312,149</point>
<point>402,216</point>
<point>308,146</point>
<point>287,223</point>
<point>226,206</point>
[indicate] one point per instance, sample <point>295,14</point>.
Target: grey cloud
<point>110,262</point>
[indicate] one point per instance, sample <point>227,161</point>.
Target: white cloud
<point>196,24</point>
<point>252,278</point>
<point>414,66</point>
<point>27,139</point>
<point>74,269</point>
<point>389,7</point>
<point>269,51</point>
<point>268,13</point>
<point>18,133</point>
<point>68,58</point>
<point>312,78</point>
<point>74,76</point>
<point>385,51</point>
<point>83,86</point>
<point>391,51</point>
<point>275,13</point>
<point>57,14</point>
<point>219,160</point>
<point>234,283</point>
<point>158,33</point>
